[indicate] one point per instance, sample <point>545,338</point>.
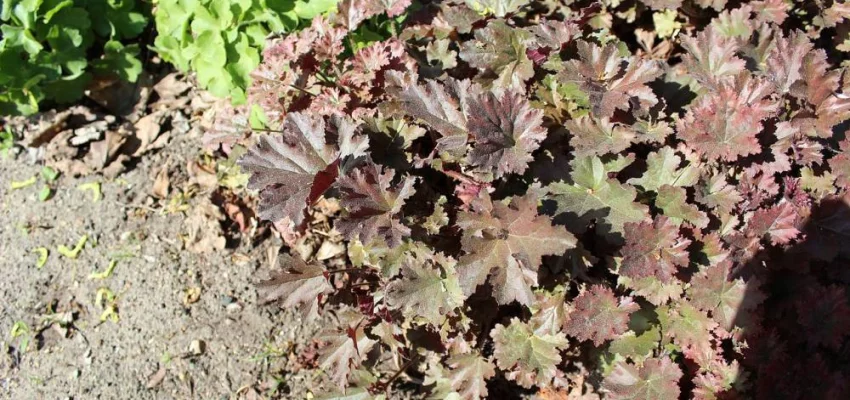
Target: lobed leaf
<point>507,243</point>
<point>530,358</point>
<point>598,316</point>
<point>655,379</point>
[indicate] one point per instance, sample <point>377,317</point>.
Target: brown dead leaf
<point>170,90</point>
<point>204,229</point>
<point>329,250</point>
<point>147,130</point>
<point>44,127</point>
<point>103,152</point>
<point>237,215</point>
<point>156,378</point>
<point>123,99</point>
<point>161,183</point>
<point>202,175</point>
<point>116,167</point>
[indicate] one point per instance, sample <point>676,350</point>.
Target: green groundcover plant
<point>221,40</point>
<point>51,49</point>
<point>616,199</point>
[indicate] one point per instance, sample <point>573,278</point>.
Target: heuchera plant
<point>629,200</point>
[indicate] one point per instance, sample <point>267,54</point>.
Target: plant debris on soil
<point>133,277</point>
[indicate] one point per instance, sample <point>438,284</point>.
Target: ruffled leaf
<point>530,358</point>
<point>507,243</point>
<point>598,315</point>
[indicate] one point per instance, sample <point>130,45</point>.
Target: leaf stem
<point>339,271</point>
<point>399,372</point>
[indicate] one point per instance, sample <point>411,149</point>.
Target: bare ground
<point>188,324</point>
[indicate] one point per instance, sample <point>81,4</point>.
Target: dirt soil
<point>188,325</point>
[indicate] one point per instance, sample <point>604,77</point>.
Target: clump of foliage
<point>221,40</point>
<point>629,200</point>
<point>51,49</point>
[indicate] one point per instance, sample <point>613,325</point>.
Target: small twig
<point>400,371</point>
<point>302,90</point>
<point>339,271</point>
<point>266,130</point>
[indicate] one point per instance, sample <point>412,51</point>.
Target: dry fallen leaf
<point>147,130</point>
<point>127,100</point>
<point>172,85</point>
<point>161,184</point>
<point>204,230</point>
<point>329,250</point>
<point>202,175</point>
<point>156,378</point>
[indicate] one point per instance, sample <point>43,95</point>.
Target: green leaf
<point>498,8</point>
<point>43,253</point>
<point>501,49</point>
<point>592,196</point>
<point>105,273</point>
<point>655,379</point>
<point>17,36</point>
<point>363,37</point>
<point>49,174</point>
<point>673,202</point>
<point>211,48</point>
<point>94,188</point>
<point>48,15</point>
<point>25,12</point>
<point>20,328</point>
<point>664,169</point>
<point>311,8</point>
<point>67,90</point>
<point>73,253</point>
<point>121,60</point>
<point>45,193</point>
<point>7,141</point>
<point>15,185</point>
<point>534,357</point>
<point>636,347</point>
<point>247,58</point>
<point>427,291</point>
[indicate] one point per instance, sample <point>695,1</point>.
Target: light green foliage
<point>638,347</point>
<point>665,23</point>
<point>592,195</point>
<point>43,253</point>
<point>535,355</point>
<point>427,293</point>
<point>51,49</point>
<point>221,40</point>
<point>664,170</point>
<point>499,8</point>
<point>73,253</point>
<point>7,142</point>
<point>22,330</point>
<point>94,188</point>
